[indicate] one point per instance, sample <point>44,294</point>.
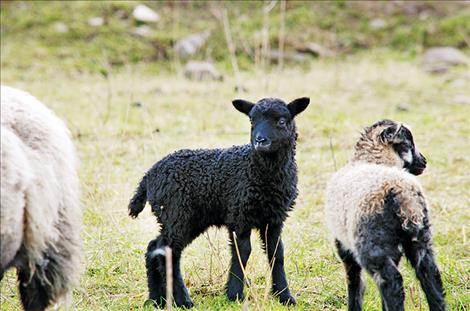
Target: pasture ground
<point>118,140</point>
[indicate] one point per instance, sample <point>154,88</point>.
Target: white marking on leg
<point>157,252</point>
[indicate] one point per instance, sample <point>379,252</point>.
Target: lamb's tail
<point>137,203</point>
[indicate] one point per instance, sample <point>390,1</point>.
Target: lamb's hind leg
<point>180,292</point>
<point>177,239</point>
<point>353,274</point>
<point>419,253</point>
<point>388,279</point>
<point>156,275</point>
<point>155,271</point>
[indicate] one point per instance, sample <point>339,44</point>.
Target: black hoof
<point>234,296</point>
<point>188,304</point>
<point>287,300</point>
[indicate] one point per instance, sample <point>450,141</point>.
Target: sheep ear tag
<point>298,105</point>
<point>243,106</point>
<point>388,135</point>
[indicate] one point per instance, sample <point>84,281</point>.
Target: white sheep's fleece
<point>359,189</point>
<point>39,185</point>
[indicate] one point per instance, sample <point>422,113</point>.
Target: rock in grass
<point>462,99</point>
<point>288,56</point>
<point>61,27</point>
<point>402,107</point>
<point>440,59</point>
<point>458,83</point>
<point>144,14</point>
<point>96,21</point>
<point>198,70</point>
<point>189,45</point>
<point>315,49</point>
<point>143,31</point>
<point>377,23</point>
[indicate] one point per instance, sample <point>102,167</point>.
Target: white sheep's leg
<point>10,245</point>
<point>12,205</point>
<point>35,294</point>
<point>50,281</point>
<point>241,250</point>
<point>353,273</point>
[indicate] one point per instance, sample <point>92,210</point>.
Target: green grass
<point>340,26</point>
<point>117,142</point>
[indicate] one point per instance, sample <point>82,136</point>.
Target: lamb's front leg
<point>271,237</point>
<point>241,250</point>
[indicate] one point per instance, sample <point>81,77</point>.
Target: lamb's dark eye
<point>281,122</point>
<point>402,147</point>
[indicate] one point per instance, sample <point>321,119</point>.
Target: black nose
<point>260,139</point>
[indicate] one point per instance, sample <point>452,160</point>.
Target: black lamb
<point>247,187</point>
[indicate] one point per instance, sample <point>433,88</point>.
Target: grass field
<point>117,141</point>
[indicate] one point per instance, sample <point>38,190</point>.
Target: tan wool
<point>360,188</point>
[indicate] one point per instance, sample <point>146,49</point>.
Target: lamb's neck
<point>366,150</point>
<point>273,162</point>
<point>363,157</point>
<point>372,155</point>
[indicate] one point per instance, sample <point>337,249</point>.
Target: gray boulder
<point>144,14</point>
<point>189,45</point>
<point>315,49</point>
<point>143,31</point>
<point>61,27</point>
<point>96,21</point>
<point>274,54</point>
<point>461,99</point>
<point>201,70</point>
<point>440,59</point>
<point>377,23</point>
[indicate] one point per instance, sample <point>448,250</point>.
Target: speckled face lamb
<point>390,143</point>
<point>376,211</point>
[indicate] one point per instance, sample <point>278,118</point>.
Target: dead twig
<point>332,153</point>
<point>169,278</point>
<point>282,35</point>
<point>244,271</point>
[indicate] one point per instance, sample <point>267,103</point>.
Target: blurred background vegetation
<point>116,73</point>
<point>92,35</point>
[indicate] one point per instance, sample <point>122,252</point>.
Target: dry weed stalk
<point>169,278</point>
<point>255,298</point>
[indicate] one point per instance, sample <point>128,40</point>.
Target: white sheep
<point>376,210</point>
<point>40,211</point>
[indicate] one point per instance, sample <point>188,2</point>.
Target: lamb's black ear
<point>388,135</point>
<point>298,105</point>
<point>243,106</point>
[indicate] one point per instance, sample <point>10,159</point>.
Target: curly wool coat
<point>239,187</point>
<point>375,209</point>
<point>220,187</point>
<point>40,210</point>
